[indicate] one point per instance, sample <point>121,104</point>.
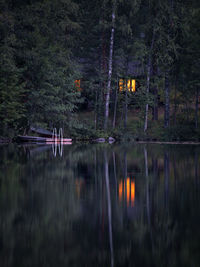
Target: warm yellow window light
<point>121,85</point>
<point>129,84</point>
<point>132,88</point>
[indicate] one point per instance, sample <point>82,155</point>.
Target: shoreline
<point>4,141</point>
<point>169,142</point>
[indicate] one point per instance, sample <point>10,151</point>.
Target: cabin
<point>126,73</point>
<point>126,76</point>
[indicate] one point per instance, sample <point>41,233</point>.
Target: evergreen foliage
<point>46,45</point>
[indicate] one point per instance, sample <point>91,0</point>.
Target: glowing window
<point>121,85</point>
<point>127,83</point>
<point>78,85</point>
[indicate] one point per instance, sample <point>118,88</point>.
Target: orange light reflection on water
<point>126,191</point>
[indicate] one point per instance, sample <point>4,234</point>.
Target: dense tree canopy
<point>46,46</point>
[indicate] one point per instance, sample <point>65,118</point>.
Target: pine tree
<point>12,107</point>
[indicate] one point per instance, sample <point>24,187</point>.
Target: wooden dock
<point>47,140</point>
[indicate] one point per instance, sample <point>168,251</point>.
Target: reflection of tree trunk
<point>109,207</point>
<point>147,184</point>
<point>115,175</point>
<point>175,174</point>
<point>155,167</point>
<point>125,176</point>
<point>166,173</point>
<point>154,187</point>
<point>95,170</point>
<point>197,108</point>
<point>196,171</point>
<point>147,193</point>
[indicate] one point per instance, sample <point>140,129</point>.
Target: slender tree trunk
<point>147,95</point>
<point>110,63</point>
<point>197,108</point>
<point>125,107</point>
<point>177,70</point>
<point>167,100</point>
<point>148,82</point>
<point>167,72</point>
<point>102,85</point>
<point>175,105</point>
<point>155,91</point>
<point>155,104</point>
<point>96,110</point>
<point>115,106</point>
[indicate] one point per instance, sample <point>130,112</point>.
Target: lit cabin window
<point>78,85</point>
<point>126,191</point>
<point>129,83</point>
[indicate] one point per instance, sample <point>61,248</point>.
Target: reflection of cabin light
<point>132,193</point>
<point>127,191</point>
<point>79,184</point>
<point>120,191</point>
<point>78,85</point>
<point>129,84</point>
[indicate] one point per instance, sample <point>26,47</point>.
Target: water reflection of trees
<point>100,205</point>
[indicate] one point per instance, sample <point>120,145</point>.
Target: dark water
<point>99,205</point>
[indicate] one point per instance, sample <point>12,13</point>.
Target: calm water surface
<point>98,205</point>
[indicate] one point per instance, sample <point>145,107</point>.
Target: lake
<point>100,205</point>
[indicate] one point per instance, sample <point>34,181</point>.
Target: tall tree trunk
<point>125,107</point>
<point>147,95</point>
<point>155,104</point>
<point>177,70</point>
<point>175,104</point>
<point>167,72</point>
<point>102,85</point>
<point>197,108</point>
<point>115,106</point>
<point>167,102</point>
<point>110,63</point>
<point>96,110</point>
<point>155,91</point>
<point>148,82</point>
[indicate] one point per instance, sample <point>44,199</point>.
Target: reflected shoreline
<point>99,205</point>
